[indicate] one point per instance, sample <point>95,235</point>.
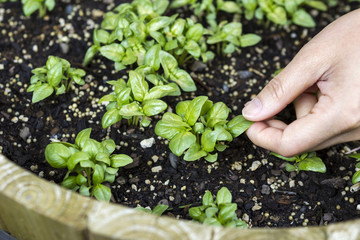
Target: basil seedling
<point>31,6</point>
<point>356,176</point>
<point>56,76</point>
<point>219,212</point>
<point>135,99</point>
<point>89,164</point>
<point>158,210</point>
<point>303,162</point>
<point>200,127</point>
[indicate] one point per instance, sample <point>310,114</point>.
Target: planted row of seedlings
<point>139,36</point>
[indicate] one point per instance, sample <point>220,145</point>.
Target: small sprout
<point>303,162</point>
<point>89,164</point>
<point>158,210</point>
<point>200,127</point>
<point>356,176</point>
<point>31,6</point>
<point>219,212</point>
<point>56,76</point>
<point>134,99</point>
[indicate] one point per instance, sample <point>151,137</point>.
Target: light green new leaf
<point>193,48</point>
<point>207,199</point>
<point>238,125</point>
<point>227,212</point>
<point>77,158</point>
<point>208,140</point>
<point>317,4</point>
<point>218,110</point>
<point>55,74</point>
<point>182,107</point>
<point>195,32</point>
<point>162,91</point>
<point>302,18</point>
<point>184,80</point>
<point>31,6</point>
<point>101,193</point>
<point>90,53</point>
<point>278,16</point>
<point>170,125</point>
<point>194,153</point>
<point>114,52</point>
<point>160,209</point>
<point>222,134</point>
<point>110,117</point>
<point>193,111</point>
<point>42,92</point>
<point>211,157</point>
<point>120,160</point>
<point>168,62</point>
<point>138,85</point>
<point>158,23</point>
<point>152,57</point>
<point>57,155</point>
<point>223,196</point>
<point>98,175</point>
<point>131,109</point>
<point>101,36</point>
<point>108,145</point>
<point>249,39</point>
<point>181,142</point>
<point>82,137</point>
<point>91,146</point>
<point>50,4</point>
<point>153,107</point>
<point>314,164</point>
<point>356,177</point>
<point>211,212</point>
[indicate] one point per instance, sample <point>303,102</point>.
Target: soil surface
<point>266,194</point>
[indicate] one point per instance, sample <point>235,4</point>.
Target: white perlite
<point>147,143</point>
<point>156,169</point>
<point>255,165</point>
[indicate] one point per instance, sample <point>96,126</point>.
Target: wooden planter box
<point>33,208</point>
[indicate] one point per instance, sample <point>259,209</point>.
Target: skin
<point>323,82</point>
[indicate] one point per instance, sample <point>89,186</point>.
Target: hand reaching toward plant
<point>323,81</point>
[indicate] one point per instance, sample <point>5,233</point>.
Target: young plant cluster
<point>130,30</point>
<point>303,162</point>
<point>200,127</point>
<point>221,212</point>
<point>158,210</point>
<point>56,76</point>
<point>31,6</point>
<point>134,99</point>
<point>89,163</point>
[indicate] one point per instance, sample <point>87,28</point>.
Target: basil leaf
<point>77,158</point>
<point>120,160</point>
<point>131,109</point>
<point>153,107</point>
<point>181,142</point>
<point>114,52</point>
<point>110,117</point>
<point>41,92</point>
<point>223,196</point>
<point>82,137</point>
<point>314,164</point>
<point>194,153</point>
<point>193,111</point>
<point>302,18</point>
<point>101,192</point>
<point>57,155</point>
<point>238,125</point>
<point>138,85</point>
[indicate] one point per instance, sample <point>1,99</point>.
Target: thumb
<point>301,73</point>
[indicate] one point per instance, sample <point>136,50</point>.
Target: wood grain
<point>35,209</point>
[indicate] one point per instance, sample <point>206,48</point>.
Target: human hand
<point>323,81</point>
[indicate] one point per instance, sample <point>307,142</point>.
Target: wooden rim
<point>33,208</point>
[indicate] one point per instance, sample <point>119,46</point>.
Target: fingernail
<point>252,108</point>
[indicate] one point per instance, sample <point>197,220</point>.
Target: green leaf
<point>82,137</point>
<point>98,175</point>
<point>152,57</point>
<point>211,157</point>
<point>90,53</point>
<point>101,36</point>
<point>170,45</point>
<point>195,213</point>
<point>138,85</point>
<point>162,91</point>
<point>181,142</point>
<point>170,125</point>
<point>92,147</point>
<point>291,6</point>
<point>218,110</point>
<point>80,179</point>
<point>129,57</point>
<point>120,160</point>
<point>317,4</point>
<point>110,21</point>
<point>101,192</point>
<point>31,6</point>
<point>194,153</point>
<point>158,23</point>
<point>290,168</point>
<point>207,199</point>
<point>56,154</point>
<point>278,16</point>
<point>77,158</point>
<point>109,145</point>
<point>223,196</point>
<point>229,7</point>
<point>289,159</point>
<point>238,125</point>
<point>227,212</point>
<point>153,107</point>
<point>249,39</point>
<point>356,177</point>
<point>110,117</point>
<point>212,222</point>
<point>114,52</point>
<point>222,134</point>
<point>195,32</point>
<point>87,164</point>
<point>193,48</point>
<point>55,74</point>
<point>199,128</point>
<point>182,107</point>
<point>220,147</point>
<point>168,62</point>
<point>69,182</point>
<point>193,111</point>
<point>103,157</point>
<point>42,92</point>
<point>302,18</point>
<point>84,190</point>
<point>111,171</point>
<point>131,109</point>
<point>160,209</point>
<point>211,212</point>
<point>159,38</point>
<point>355,155</point>
<point>50,4</point>
<point>208,140</point>
<point>178,27</point>
<point>184,80</point>
<point>314,164</point>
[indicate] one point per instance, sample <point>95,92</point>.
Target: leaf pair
<point>221,212</point>
<point>304,162</point>
<point>56,76</point>
<point>199,127</point>
<point>31,6</point>
<point>134,99</point>
<point>89,164</point>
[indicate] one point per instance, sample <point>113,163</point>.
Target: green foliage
<point>283,12</point>
<point>158,210</point>
<point>199,127</point>
<point>303,162</point>
<point>356,176</point>
<point>56,76</point>
<point>228,37</point>
<point>133,99</point>
<point>31,6</point>
<point>89,162</point>
<point>219,212</point>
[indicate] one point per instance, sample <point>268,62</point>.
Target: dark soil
<point>267,196</point>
